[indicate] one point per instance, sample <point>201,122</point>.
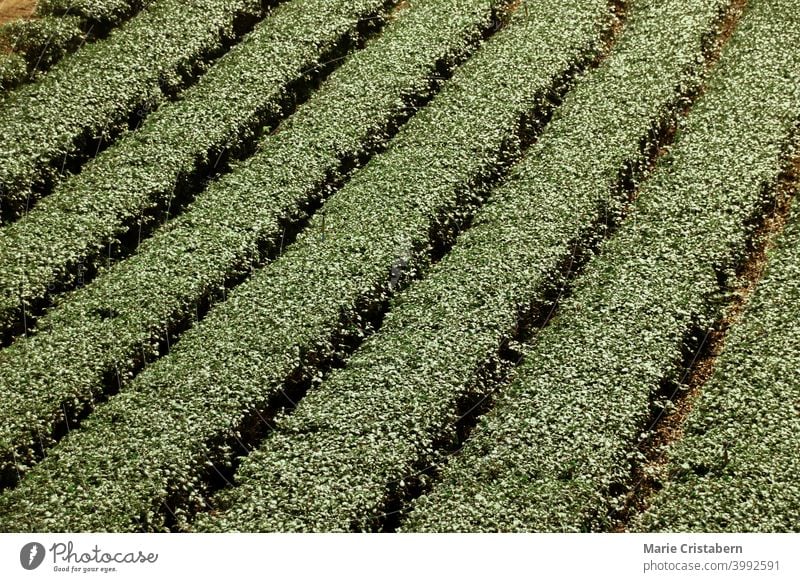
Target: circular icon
<point>31,555</point>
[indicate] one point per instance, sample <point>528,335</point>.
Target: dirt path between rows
<point>15,9</point>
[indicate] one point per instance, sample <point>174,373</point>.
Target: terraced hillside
<point>431,265</point>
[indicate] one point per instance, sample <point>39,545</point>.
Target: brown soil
<point>398,9</point>
<point>727,27</point>
<point>16,9</point>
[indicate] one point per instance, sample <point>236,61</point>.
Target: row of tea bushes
<point>57,28</point>
<point>556,453</point>
<point>49,377</point>
<point>174,149</point>
<point>736,467</point>
<point>355,445</point>
<point>92,96</point>
<point>141,459</point>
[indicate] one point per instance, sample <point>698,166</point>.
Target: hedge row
<point>40,43</point>
<point>58,28</point>
<point>13,70</point>
<point>358,441</point>
<point>737,467</point>
<point>97,13</point>
<point>557,451</point>
<point>143,455</point>
<point>177,145</point>
<point>92,96</point>
<point>228,229</point>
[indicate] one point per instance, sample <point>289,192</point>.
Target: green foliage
<point>218,236</point>
<point>736,468</point>
<point>97,13</point>
<point>59,28</point>
<point>182,413</point>
<point>42,41</point>
<point>557,450</point>
<point>142,172</point>
<point>583,396</point>
<point>366,432</point>
<point>93,95</point>
<point>13,70</point>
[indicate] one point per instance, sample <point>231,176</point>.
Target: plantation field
<point>372,265</point>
